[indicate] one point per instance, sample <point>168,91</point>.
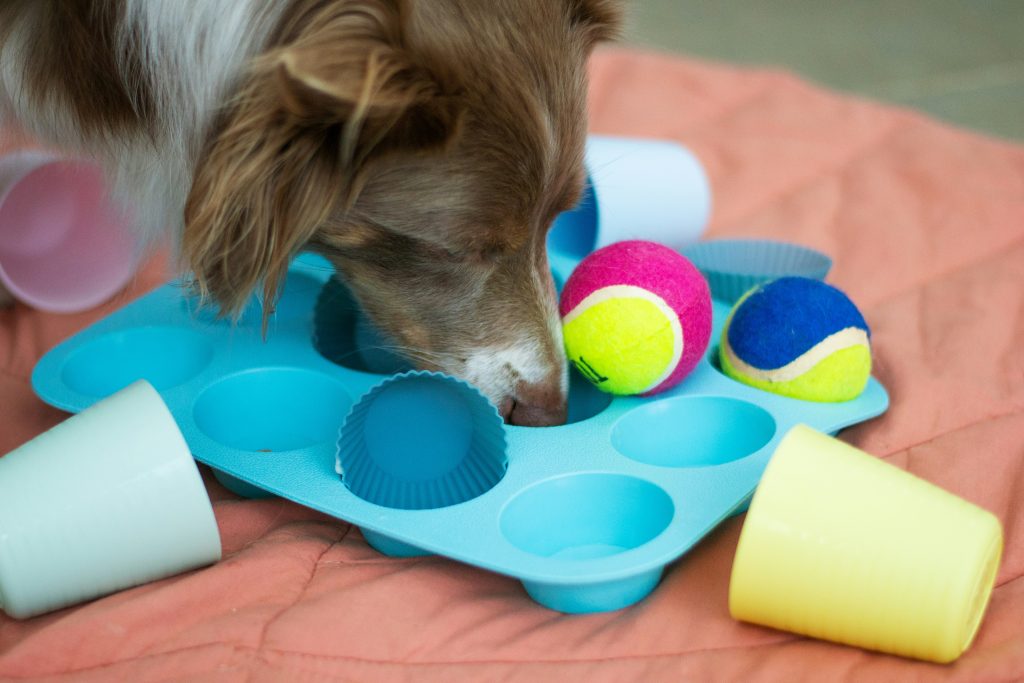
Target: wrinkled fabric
<point>926,227</point>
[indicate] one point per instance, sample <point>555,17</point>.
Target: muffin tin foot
<point>240,487</point>
<point>391,547</point>
<point>598,597</point>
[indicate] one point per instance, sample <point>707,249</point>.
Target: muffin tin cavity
<point>585,400</point>
<point>693,431</point>
<point>166,356</point>
<point>586,516</point>
<point>272,409</point>
<point>321,411</point>
<point>344,335</point>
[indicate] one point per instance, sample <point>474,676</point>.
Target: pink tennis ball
<point>636,317</point>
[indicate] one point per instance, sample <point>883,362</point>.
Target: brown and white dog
<point>424,146</point>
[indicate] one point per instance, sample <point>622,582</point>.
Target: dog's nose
<point>536,405</point>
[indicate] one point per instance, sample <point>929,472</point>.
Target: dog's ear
<point>599,19</point>
<point>338,91</point>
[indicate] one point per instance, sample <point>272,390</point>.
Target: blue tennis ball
<point>798,337</point>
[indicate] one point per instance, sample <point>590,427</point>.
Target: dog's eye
<point>483,255</point>
<point>486,250</point>
<point>469,255</point>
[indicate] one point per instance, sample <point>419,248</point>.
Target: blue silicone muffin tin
<point>587,515</point>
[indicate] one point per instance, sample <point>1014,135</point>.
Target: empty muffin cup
<point>734,266</point>
<point>422,440</point>
<point>843,546</point>
<point>108,499</point>
<point>64,246</point>
<point>693,431</point>
<point>344,335</point>
<point>268,410</point>
<point>637,188</point>
<point>163,355</point>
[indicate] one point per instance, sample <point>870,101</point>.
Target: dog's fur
<point>424,146</point>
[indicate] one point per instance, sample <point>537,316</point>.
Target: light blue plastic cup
<point>637,188</point>
<point>108,499</point>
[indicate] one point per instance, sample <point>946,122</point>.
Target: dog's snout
<point>537,415</point>
<point>536,405</point>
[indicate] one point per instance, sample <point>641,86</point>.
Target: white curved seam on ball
<point>837,341</point>
<point>633,292</point>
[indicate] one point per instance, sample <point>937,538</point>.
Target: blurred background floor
<point>959,60</point>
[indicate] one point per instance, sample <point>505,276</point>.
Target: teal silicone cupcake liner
<point>421,440</point>
<point>733,266</point>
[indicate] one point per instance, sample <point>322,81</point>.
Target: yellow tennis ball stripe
<point>624,339</point>
<point>845,338</point>
<point>840,376</point>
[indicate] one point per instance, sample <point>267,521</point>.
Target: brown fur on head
<point>425,147</point>
<point>290,148</point>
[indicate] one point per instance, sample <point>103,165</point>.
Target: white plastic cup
<point>638,188</point>
<point>108,499</point>
<point>64,246</point>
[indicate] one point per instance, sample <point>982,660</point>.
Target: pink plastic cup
<point>64,246</point>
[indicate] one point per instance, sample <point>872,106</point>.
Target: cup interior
<point>586,516</point>
<point>693,431</point>
<point>64,246</point>
<point>165,356</point>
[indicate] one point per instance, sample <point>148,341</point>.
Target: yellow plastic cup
<point>842,546</point>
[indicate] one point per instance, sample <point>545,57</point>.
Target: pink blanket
<point>926,226</point>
